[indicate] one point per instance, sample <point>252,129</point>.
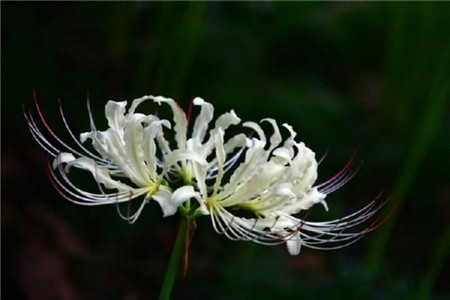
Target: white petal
<point>306,201</point>
<point>275,139</point>
<point>182,194</point>
<point>162,142</point>
<point>137,102</point>
<point>199,168</point>
<point>203,119</point>
<point>116,151</point>
<point>163,197</point>
<point>114,112</point>
<point>304,169</point>
<point>283,190</point>
<point>202,209</point>
<point>100,174</point>
<point>253,158</point>
<point>224,121</point>
<point>257,129</point>
<point>133,135</point>
<point>84,136</point>
<point>282,153</point>
<point>294,244</point>
<point>149,147</point>
<point>63,158</point>
<point>260,181</point>
<point>291,131</point>
<point>169,202</point>
<point>179,117</point>
<point>221,155</point>
<point>183,155</point>
<point>98,142</point>
<point>237,141</point>
<point>275,223</point>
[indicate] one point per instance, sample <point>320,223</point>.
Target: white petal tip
<point>84,136</point>
<point>164,199</point>
<point>325,205</point>
<point>198,101</point>
<point>182,194</point>
<point>121,103</point>
<point>294,245</point>
<point>166,124</point>
<point>62,158</point>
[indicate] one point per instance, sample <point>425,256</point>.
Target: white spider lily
<point>275,182</point>
<point>127,149</point>
<point>258,202</point>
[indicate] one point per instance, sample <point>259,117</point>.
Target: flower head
<point>127,149</point>
<point>258,199</point>
<point>133,147</point>
<point>274,183</point>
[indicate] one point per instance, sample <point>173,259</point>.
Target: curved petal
<point>259,182</point>
<point>114,112</point>
<point>179,118</point>
<point>100,174</point>
<point>183,194</point>
<point>305,202</point>
<point>149,147</point>
<point>133,139</point>
<point>254,156</point>
<point>163,197</point>
<point>221,156</point>
<point>223,121</point>
<point>62,158</point>
<point>137,102</point>
<point>257,129</point>
<point>203,119</point>
<point>294,244</point>
<point>275,139</point>
<point>182,155</point>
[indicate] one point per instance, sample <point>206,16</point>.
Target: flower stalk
<point>174,261</point>
<point>192,225</point>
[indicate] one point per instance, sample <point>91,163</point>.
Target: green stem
<point>174,261</point>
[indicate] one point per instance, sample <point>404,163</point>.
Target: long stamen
<point>49,129</point>
<point>40,138</point>
<point>75,139</point>
<point>339,181</point>
<point>91,119</point>
<point>323,157</point>
<point>342,171</point>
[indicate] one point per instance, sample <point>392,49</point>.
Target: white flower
<point>126,150</point>
<point>259,201</point>
<point>274,183</point>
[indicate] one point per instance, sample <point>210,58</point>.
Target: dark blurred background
<point>343,74</point>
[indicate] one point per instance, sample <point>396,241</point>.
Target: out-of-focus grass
<point>167,57</point>
<point>427,86</point>
<point>438,258</point>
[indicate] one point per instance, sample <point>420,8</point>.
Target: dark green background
<point>343,74</point>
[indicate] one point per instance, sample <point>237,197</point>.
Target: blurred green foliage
<point>344,73</point>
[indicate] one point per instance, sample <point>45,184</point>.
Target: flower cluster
<point>252,187</point>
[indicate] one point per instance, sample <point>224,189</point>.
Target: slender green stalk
<point>174,261</point>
